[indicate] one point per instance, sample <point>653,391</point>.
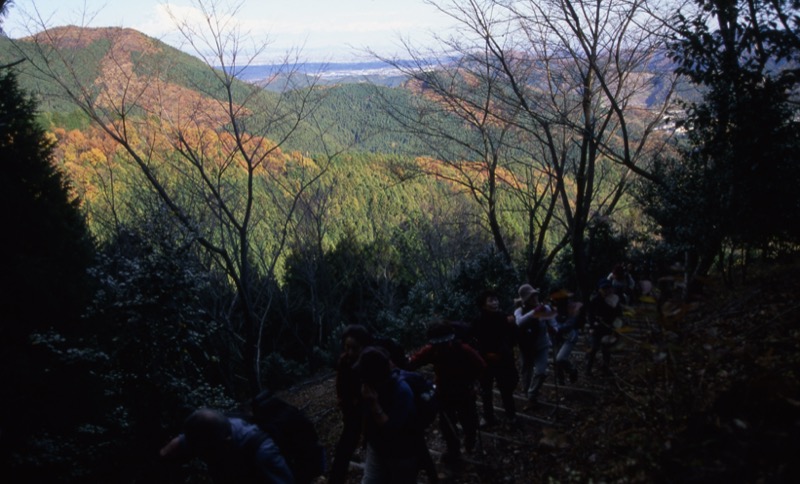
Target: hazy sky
<point>325,29</point>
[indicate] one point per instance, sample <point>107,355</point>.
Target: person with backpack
<point>393,439</point>
<point>420,386</point>
<point>533,320</point>
<point>457,367</point>
<point>234,450</point>
<point>355,338</point>
<point>495,335</point>
<point>604,309</point>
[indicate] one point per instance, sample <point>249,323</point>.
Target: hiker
<point>234,450</point>
<point>568,323</point>
<point>399,361</point>
<point>393,452</point>
<point>457,367</point>
<point>603,309</point>
<point>623,283</point>
<point>348,392</point>
<point>532,319</point>
<point>495,335</point>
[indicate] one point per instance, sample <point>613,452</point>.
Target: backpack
<point>426,405</point>
<point>293,433</point>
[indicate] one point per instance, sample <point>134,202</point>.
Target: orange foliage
<point>121,87</point>
<point>454,100</point>
<point>474,170</point>
<point>72,37</point>
<point>173,115</point>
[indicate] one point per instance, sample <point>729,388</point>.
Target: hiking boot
<point>469,445</point>
<point>560,366</point>
<point>511,419</point>
<point>488,422</point>
<point>573,375</point>
<point>451,459</point>
<point>533,392</point>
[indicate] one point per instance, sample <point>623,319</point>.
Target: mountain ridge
<point>115,60</point>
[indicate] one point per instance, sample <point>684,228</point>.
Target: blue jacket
<point>252,457</point>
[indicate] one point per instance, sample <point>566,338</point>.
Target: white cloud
<point>163,19</point>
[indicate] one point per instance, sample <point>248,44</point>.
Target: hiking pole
<point>454,434</point>
<point>555,370</point>
<point>478,437</point>
<point>450,425</point>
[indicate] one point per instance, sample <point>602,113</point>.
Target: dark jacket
<point>456,365</point>
<point>348,386</point>
<point>495,335</point>
<point>252,458</point>
<point>601,315</point>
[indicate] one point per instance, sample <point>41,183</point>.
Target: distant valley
<point>374,72</point>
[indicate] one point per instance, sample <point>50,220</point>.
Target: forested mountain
<point>350,111</point>
<point>92,53</point>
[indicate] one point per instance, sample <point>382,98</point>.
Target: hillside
<point>104,58</point>
<point>707,392</point>
<point>115,60</point>
<point>124,60</point>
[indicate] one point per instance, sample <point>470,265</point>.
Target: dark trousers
<point>425,460</point>
<point>459,410</point>
<point>597,345</point>
<point>504,372</point>
<point>346,446</point>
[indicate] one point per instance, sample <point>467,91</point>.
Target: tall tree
<point>563,100</point>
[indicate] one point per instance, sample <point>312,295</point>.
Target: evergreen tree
<point>44,282</point>
<point>47,242</point>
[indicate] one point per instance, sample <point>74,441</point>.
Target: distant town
<point>378,72</point>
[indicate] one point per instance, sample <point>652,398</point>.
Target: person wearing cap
<point>495,335</point>
<point>457,367</point>
<point>234,451</point>
<point>603,309</point>
<point>393,453</point>
<point>532,319</point>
